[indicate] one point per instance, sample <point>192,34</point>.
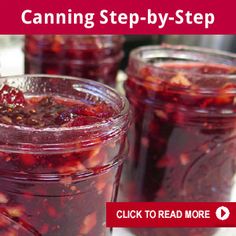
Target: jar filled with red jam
<point>62,146</point>
<point>183,139</point>
<point>95,57</point>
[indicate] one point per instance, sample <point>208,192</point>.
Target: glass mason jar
<point>95,57</point>
<point>183,140</point>
<point>56,181</point>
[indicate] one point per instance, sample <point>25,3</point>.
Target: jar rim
<point>105,40</point>
<point>119,120</point>
<point>188,86</point>
<point>135,55</point>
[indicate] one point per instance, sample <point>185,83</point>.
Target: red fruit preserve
<point>62,145</point>
<point>183,140</point>
<point>95,57</point>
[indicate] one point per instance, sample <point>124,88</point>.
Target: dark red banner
<point>117,17</point>
<point>172,214</point>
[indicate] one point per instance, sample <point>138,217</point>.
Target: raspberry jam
<point>95,57</point>
<point>183,140</point>
<point>62,145</point>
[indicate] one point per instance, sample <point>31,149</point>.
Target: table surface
<point>12,63</point>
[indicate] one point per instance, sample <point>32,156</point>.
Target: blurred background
<point>12,58</point>
<point>222,42</point>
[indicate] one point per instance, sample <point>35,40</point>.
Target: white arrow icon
<point>222,213</point>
